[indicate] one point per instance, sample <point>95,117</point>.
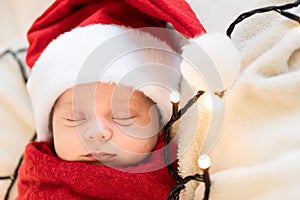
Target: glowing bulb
<point>204,162</point>
<point>175,97</point>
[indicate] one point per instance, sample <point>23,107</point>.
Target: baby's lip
<point>101,156</point>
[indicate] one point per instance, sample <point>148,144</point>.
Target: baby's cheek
<point>142,121</point>
<point>68,144</point>
<point>138,132</point>
<point>137,144</point>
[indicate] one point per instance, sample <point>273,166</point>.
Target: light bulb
<point>175,97</point>
<point>204,162</point>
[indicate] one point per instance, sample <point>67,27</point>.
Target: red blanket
<point>44,176</point>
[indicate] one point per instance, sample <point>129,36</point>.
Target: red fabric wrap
<point>64,15</point>
<point>44,176</point>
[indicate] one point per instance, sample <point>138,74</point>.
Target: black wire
<point>167,131</point>
<point>14,54</point>
<point>14,176</point>
<point>183,110</point>
<point>6,177</point>
<point>181,185</point>
<point>207,184</point>
<point>289,15</point>
<point>171,169</point>
<point>174,193</point>
<point>280,9</point>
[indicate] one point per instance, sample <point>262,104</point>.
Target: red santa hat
<point>74,35</point>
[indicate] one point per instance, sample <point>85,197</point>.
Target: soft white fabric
<point>257,153</point>
<point>16,117</point>
<point>16,120</point>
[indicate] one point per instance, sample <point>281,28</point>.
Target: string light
<point>181,182</point>
<point>175,99</point>
<point>204,162</point>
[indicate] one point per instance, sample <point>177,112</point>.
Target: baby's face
<point>106,124</point>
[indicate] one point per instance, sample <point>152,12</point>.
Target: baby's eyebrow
<point>65,105</point>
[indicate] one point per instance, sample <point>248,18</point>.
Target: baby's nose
<point>99,133</point>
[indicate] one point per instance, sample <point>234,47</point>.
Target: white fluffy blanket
<point>257,155</point>
<point>16,121</point>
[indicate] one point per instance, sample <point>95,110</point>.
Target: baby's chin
<point>120,166</point>
<point>122,163</point>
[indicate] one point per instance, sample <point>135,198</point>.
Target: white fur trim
<point>66,62</point>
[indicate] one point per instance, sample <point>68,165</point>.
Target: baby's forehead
<point>104,92</point>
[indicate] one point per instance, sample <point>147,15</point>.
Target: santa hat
<point>71,36</point>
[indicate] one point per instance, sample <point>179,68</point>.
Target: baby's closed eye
<point>74,118</point>
<point>123,120</point>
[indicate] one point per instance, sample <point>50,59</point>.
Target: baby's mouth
<point>101,156</point>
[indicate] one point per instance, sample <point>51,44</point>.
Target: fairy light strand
<point>174,193</point>
<point>279,9</point>
<point>167,131</point>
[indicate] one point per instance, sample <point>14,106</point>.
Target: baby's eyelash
<point>123,118</point>
<point>74,120</point>
<point>124,121</point>
<point>74,117</point>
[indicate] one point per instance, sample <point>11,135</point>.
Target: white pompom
<point>216,58</point>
